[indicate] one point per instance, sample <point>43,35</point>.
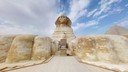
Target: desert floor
<point>62,64</point>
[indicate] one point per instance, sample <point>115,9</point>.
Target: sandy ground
<point>114,67</point>
<point>62,64</point>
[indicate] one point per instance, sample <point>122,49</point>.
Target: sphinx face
<point>62,19</point>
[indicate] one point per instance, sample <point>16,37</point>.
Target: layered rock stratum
<point>5,44</point>
<point>42,48</point>
<point>110,49</point>
<point>24,47</point>
<point>105,48</point>
<point>21,48</point>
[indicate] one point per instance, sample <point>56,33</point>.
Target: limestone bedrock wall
<point>26,47</point>
<point>5,43</point>
<point>42,48</point>
<point>21,48</point>
<point>105,48</point>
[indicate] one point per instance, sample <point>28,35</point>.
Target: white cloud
<point>91,23</point>
<point>91,12</point>
<point>123,23</point>
<point>8,28</point>
<point>116,10</point>
<point>78,9</point>
<point>34,16</point>
<point>85,25</point>
<point>103,16</point>
<point>99,14</point>
<point>104,7</point>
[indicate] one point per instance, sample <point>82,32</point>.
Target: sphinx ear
<point>57,21</point>
<point>69,22</point>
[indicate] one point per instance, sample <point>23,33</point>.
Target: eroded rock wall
<point>21,48</point>
<point>86,48</point>
<point>42,48</point>
<point>105,48</point>
<point>120,44</point>
<point>5,43</point>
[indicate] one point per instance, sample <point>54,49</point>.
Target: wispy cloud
<point>100,13</point>
<point>30,15</point>
<point>123,22</point>
<point>104,7</point>
<point>78,9</point>
<point>85,25</point>
<point>38,16</point>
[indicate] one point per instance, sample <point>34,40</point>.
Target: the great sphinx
<point>63,29</point>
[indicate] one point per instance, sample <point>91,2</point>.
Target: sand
<point>62,64</point>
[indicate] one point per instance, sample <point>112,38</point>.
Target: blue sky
<point>38,16</point>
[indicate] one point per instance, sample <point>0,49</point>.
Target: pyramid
<point>117,30</point>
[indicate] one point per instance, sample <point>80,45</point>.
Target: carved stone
<point>63,29</point>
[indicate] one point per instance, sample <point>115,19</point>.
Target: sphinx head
<point>63,20</point>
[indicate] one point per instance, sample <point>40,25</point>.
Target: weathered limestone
<point>5,43</point>
<point>63,29</point>
<point>21,48</point>
<point>42,48</point>
<point>86,48</point>
<point>105,48</point>
<point>120,44</point>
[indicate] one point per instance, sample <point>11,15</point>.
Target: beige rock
<point>42,48</point>
<point>21,48</point>
<point>5,43</point>
<point>120,44</point>
<point>86,48</point>
<point>105,48</point>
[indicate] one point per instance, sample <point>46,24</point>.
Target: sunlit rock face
<point>63,29</point>
<point>105,48</point>
<point>21,48</point>
<point>85,48</point>
<point>120,44</point>
<point>42,48</point>
<point>5,43</point>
